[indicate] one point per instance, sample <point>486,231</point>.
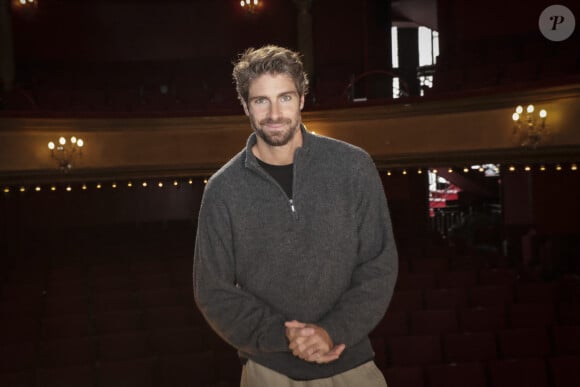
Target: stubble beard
<point>279,139</point>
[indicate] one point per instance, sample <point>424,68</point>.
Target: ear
<point>245,105</point>
<point>301,102</point>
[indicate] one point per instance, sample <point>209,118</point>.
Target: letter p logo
<point>557,23</point>
<point>556,20</point>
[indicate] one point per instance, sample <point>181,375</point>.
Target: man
<point>295,261</point>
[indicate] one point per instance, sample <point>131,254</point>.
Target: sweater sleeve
<point>363,304</point>
<point>240,318</point>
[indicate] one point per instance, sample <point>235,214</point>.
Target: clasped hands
<point>311,343</point>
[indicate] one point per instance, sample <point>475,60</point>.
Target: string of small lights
<point>180,182</point>
<point>113,185</point>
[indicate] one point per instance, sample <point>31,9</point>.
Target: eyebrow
<point>294,92</point>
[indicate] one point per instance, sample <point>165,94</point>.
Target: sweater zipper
<point>292,208</point>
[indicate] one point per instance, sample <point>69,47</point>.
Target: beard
<point>280,138</point>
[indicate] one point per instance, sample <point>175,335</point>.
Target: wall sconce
<point>529,128</point>
<point>64,151</point>
<point>251,6</point>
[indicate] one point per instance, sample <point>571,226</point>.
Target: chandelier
<point>529,128</point>
<point>64,151</point>
<point>251,6</point>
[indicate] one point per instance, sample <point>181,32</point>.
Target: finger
<point>294,324</point>
<point>305,331</point>
<point>332,355</point>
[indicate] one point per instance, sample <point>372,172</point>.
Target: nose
<point>274,110</point>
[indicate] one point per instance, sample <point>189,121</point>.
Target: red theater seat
<point>457,279</point>
<point>409,351</point>
<point>183,370</point>
<point>82,376</point>
<point>130,373</point>
<point>434,322</point>
<point>406,300</point>
<point>469,347</point>
<point>566,340</point>
<point>486,319</point>
<point>456,375</point>
<point>446,298</point>
<point>404,377</point>
<point>565,371</point>
<point>518,372</point>
<point>524,342</point>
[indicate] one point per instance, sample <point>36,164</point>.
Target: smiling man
<point>295,261</point>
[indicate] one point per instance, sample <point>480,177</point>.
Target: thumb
<point>294,324</point>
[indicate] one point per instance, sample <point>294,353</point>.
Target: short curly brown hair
<point>268,59</point>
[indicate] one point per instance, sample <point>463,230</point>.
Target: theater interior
<point>97,230</point>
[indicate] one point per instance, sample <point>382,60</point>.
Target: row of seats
<point>203,369</point>
<point>120,346</point>
<point>427,349</point>
<point>435,321</point>
<point>511,74</point>
<point>529,372</point>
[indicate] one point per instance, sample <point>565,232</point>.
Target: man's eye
<point>259,101</point>
<point>286,98</point>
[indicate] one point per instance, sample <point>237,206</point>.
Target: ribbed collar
<point>252,162</point>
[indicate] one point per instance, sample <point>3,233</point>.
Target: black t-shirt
<point>283,174</point>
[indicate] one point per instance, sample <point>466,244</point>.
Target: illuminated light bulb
<point>435,171</point>
<point>51,145</point>
<point>512,168</point>
<point>114,185</point>
<point>99,186</point>
<point>84,187</point>
<point>80,143</point>
<point>388,173</point>
<point>22,189</point>
<point>53,188</point>
<point>481,169</point>
<point>542,168</point>
<point>129,184</point>
<point>519,109</point>
<point>558,167</point>
<point>190,181</point>
<point>6,190</point>
<point>419,171</point>
<point>144,184</point>
<point>37,189</point>
<point>543,113</point>
<point>515,117</point>
<point>574,167</point>
<point>530,109</point>
<point>204,181</point>
<point>160,184</point>
<point>527,168</point>
<point>175,183</point>
<point>465,169</point>
<point>68,188</point>
<point>23,2</point>
<point>62,141</point>
<point>404,171</point>
<point>450,170</point>
<point>73,140</point>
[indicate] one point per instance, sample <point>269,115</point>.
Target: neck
<point>277,155</point>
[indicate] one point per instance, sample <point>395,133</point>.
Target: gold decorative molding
<point>408,132</point>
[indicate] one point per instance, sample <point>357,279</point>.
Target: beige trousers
<point>366,375</point>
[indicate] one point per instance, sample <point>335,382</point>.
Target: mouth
<point>277,124</point>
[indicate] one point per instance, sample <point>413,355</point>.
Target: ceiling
<point>413,13</point>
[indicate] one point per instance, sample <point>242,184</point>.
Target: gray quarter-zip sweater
<point>325,256</point>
